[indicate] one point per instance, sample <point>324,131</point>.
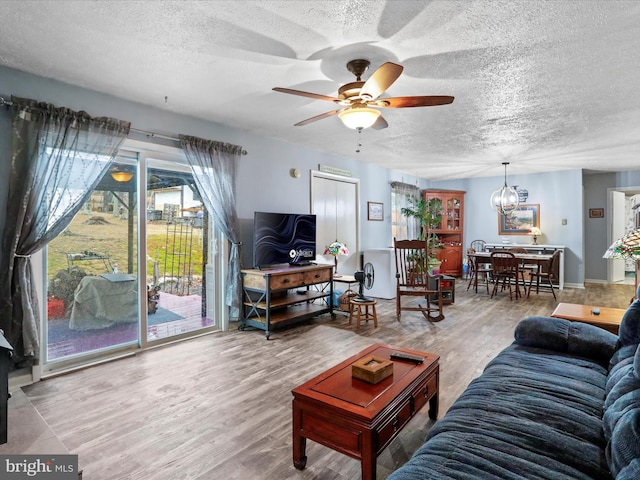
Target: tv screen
<point>283,238</point>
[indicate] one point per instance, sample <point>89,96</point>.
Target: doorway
<point>177,232</point>
<point>92,271</point>
<point>335,201</point>
<point>624,204</point>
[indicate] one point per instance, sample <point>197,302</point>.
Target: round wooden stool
<point>361,310</point>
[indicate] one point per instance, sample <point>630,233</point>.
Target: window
<point>402,227</point>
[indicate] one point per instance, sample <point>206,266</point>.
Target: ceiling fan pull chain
<point>359,143</point>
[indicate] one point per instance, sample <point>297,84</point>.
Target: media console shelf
<point>277,297</point>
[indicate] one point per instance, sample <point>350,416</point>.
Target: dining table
<point>537,259</point>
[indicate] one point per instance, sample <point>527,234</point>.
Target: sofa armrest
<point>564,336</point>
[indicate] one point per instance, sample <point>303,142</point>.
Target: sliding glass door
<point>135,267</point>
<point>92,271</point>
<point>177,229</point>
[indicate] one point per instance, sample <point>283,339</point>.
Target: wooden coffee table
<point>609,318</point>
<point>357,418</point>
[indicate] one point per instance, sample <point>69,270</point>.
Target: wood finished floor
<point>219,406</point>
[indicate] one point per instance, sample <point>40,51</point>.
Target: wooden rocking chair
<point>414,280</point>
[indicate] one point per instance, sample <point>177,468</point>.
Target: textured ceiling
<point>545,85</point>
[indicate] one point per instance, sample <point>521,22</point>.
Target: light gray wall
<point>596,188</point>
<point>264,182</point>
<point>559,195</point>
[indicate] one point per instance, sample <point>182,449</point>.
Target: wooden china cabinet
<point>450,229</point>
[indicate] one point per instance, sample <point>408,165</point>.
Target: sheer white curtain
<point>213,165</point>
<point>403,227</point>
<point>58,156</point>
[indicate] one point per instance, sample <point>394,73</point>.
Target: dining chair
<point>547,272</point>
<point>480,268</point>
<point>505,271</point>
<point>523,267</point>
<point>413,279</point>
<point>470,266</point>
<point>478,245</point>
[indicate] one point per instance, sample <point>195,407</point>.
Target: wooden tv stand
<point>277,297</point>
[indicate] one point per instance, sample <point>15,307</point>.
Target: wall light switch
<point>564,221</point>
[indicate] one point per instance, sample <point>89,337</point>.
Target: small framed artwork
<point>596,213</point>
<point>520,221</point>
<point>375,211</point>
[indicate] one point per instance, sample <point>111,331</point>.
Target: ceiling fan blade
<point>316,118</point>
<point>380,80</point>
<point>300,93</point>
<point>380,123</point>
<point>404,102</point>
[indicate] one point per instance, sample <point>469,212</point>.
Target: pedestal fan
<point>365,279</point>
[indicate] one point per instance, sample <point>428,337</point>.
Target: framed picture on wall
<point>520,221</point>
<point>596,213</point>
<point>375,211</point>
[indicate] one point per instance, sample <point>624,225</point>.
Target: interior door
<point>334,201</point>
<point>617,266</point>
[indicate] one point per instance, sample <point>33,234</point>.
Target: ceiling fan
<point>360,100</point>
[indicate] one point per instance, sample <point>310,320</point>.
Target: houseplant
<point>429,215</point>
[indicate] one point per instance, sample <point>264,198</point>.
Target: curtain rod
<point>174,138</point>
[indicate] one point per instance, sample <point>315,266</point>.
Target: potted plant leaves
<point>429,215</point>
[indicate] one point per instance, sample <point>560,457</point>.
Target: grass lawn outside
<point>174,246</point>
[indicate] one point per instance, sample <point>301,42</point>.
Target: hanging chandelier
<point>505,200</point>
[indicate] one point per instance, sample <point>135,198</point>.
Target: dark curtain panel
<point>58,157</point>
<point>213,165</point>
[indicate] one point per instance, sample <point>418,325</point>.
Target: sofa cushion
<point>625,371</point>
<point>623,392</point>
<point>564,336</point>
<point>624,396</point>
<point>622,354</point>
<point>533,413</point>
<point>624,448</point>
<point>618,372</point>
<point>629,331</point>
<point>623,361</point>
<point>631,471</point>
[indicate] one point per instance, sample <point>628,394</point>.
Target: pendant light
<point>505,199</point>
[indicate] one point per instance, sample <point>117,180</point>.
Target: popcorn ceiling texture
<point>546,85</point>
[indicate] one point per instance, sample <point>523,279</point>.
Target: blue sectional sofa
<point>561,402</point>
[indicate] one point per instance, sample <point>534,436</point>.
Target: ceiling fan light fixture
<point>120,176</point>
<point>362,117</point>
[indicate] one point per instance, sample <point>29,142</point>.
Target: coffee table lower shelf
<point>357,418</point>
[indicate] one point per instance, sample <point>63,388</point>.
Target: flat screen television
<point>280,238</point>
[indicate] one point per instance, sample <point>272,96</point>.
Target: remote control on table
<point>406,356</point>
